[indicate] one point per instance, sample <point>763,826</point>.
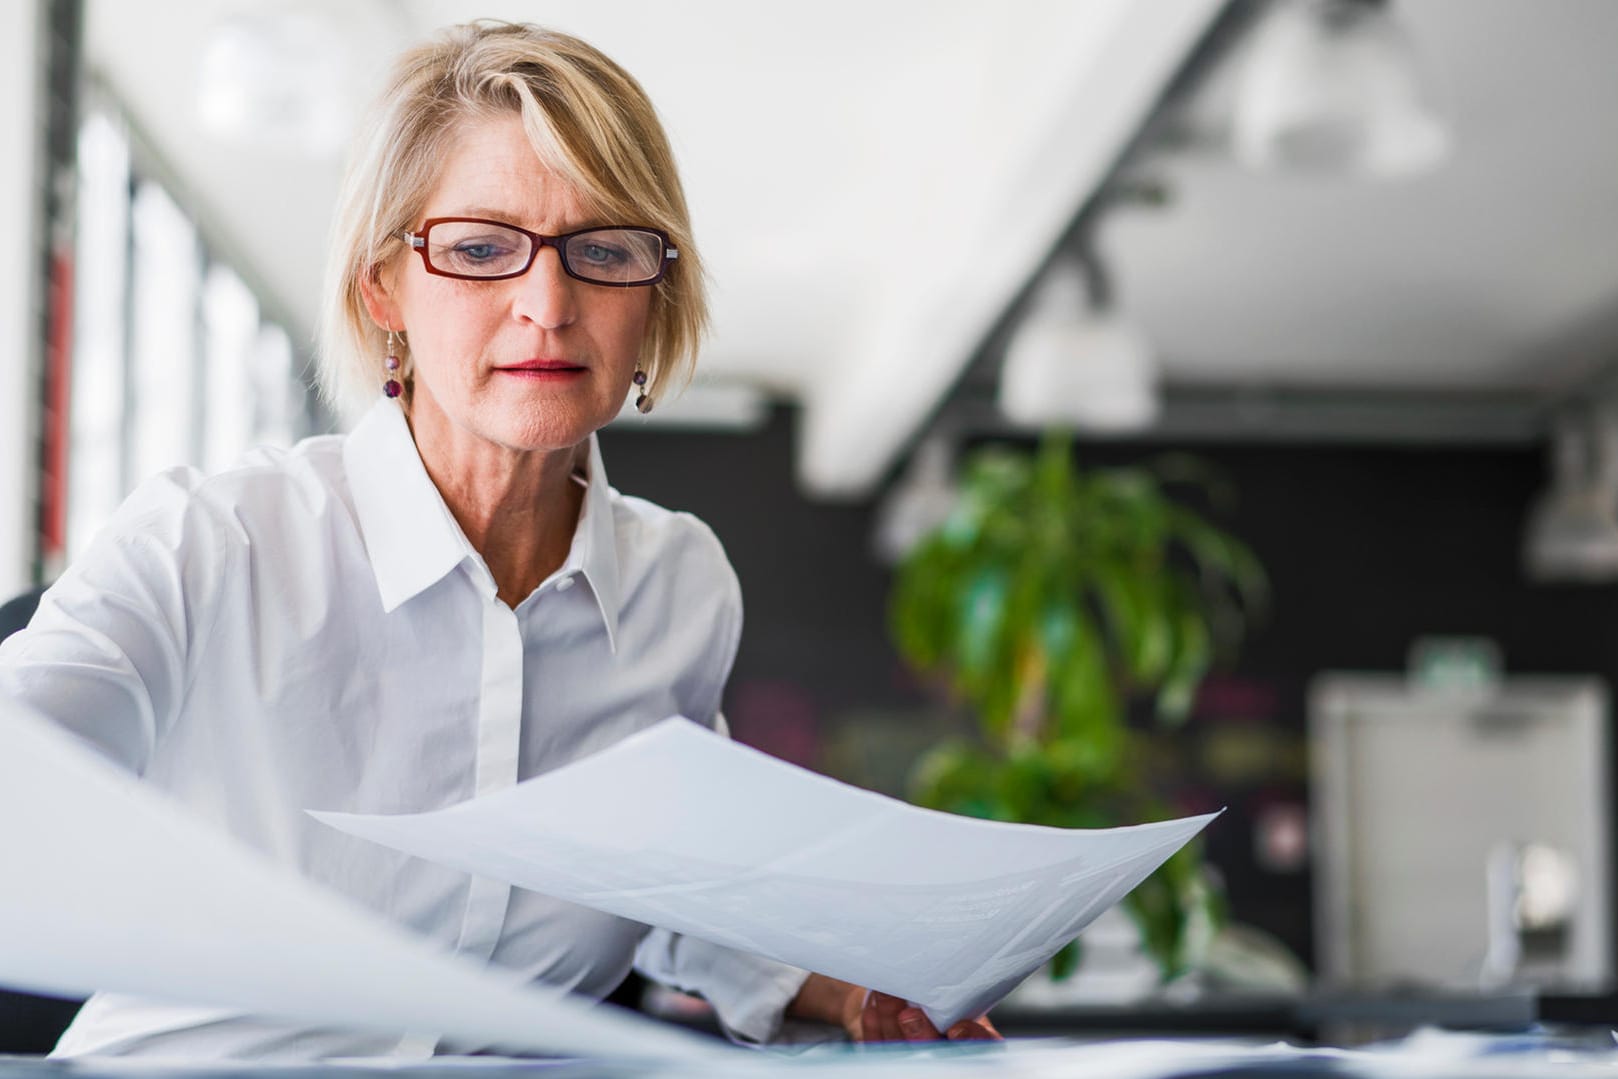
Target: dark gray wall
<point>1367,549</point>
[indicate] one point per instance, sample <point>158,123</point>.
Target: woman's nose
<point>546,294</point>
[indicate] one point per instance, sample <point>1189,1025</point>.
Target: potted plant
<point>1051,600</point>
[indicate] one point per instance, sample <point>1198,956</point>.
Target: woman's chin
<point>548,426</point>
<point>534,418</point>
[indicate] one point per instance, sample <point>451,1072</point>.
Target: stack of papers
<point>682,828</point>
<point>109,886</point>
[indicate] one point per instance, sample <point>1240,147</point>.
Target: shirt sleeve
<point>749,993</point>
<point>108,654</point>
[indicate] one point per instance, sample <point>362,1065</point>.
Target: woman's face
<point>537,362</point>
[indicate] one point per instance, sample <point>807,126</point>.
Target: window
<point>174,361</point>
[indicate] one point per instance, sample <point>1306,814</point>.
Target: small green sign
<point>1456,663</point>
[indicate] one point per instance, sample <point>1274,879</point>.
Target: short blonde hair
<point>590,123</point>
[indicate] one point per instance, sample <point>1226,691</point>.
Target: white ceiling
<point>1497,272</point>
<point>820,141</point>
<point>870,182</point>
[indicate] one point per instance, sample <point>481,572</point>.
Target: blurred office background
<point>1361,258</point>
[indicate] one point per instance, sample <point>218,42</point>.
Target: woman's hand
<point>878,1017</point>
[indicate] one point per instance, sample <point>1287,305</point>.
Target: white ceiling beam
<point>856,425</point>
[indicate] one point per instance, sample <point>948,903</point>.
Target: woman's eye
<point>477,252</point>
<point>600,254</point>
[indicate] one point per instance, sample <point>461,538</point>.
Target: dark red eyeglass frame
<point>418,241</point>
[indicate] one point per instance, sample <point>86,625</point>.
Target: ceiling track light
<point>1074,362</point>
<point>1336,87</point>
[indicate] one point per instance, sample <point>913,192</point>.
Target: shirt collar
<point>413,540</point>
<point>410,536</point>
<point>595,544</point>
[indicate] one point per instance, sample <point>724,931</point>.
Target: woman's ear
<point>377,294</point>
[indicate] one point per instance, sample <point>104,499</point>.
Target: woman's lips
<point>542,369</point>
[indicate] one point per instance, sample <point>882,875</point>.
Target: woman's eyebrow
<point>485,211</point>
<point>588,221</point>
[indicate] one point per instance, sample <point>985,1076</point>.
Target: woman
<point>451,598</point>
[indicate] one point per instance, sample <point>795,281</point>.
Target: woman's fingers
<point>870,1023</point>
<point>882,1017</point>
<point>885,1018</point>
<point>916,1026</point>
<point>972,1030</point>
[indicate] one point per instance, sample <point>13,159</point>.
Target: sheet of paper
<point>681,828</point>
<point>106,885</point>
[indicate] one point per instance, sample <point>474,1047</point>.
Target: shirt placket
<point>498,735</point>
<point>499,732</point>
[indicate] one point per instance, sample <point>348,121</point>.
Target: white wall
<point>21,133</point>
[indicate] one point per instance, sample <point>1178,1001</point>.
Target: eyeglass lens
<point>609,256</point>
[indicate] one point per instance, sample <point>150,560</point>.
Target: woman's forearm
<point>827,1000</point>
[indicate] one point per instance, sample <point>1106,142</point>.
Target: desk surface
<point>1079,1042</point>
<point>1423,1056</point>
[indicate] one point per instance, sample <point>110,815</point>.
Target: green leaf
<point>1065,962</point>
<point>1222,558</point>
<point>957,778</point>
<point>1025,783</point>
<point>979,623</point>
<point>1083,699</point>
<point>1193,654</point>
<point>1184,468</point>
<point>919,612</point>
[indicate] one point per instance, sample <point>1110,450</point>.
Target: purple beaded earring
<point>643,402</point>
<point>392,386</point>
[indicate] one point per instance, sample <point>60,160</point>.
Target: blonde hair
<point>590,123</point>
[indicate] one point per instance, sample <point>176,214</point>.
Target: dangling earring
<point>643,402</point>
<point>392,387</point>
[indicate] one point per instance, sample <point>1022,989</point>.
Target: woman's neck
<point>518,508</point>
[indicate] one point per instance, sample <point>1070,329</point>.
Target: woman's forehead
<point>493,170</point>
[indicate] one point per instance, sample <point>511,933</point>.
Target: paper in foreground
<point>681,828</point>
<point>108,886</point>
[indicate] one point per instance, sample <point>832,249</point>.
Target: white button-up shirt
<point>313,630</point>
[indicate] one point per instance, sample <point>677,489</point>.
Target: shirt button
<point>564,583</point>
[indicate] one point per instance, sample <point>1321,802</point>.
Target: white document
<point>105,885</point>
<point>681,828</point>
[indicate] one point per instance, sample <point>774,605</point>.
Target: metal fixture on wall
<point>1572,532</point>
<point>1335,86</point>
<point>1075,362</point>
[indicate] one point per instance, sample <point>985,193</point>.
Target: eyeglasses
<point>479,250</point>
